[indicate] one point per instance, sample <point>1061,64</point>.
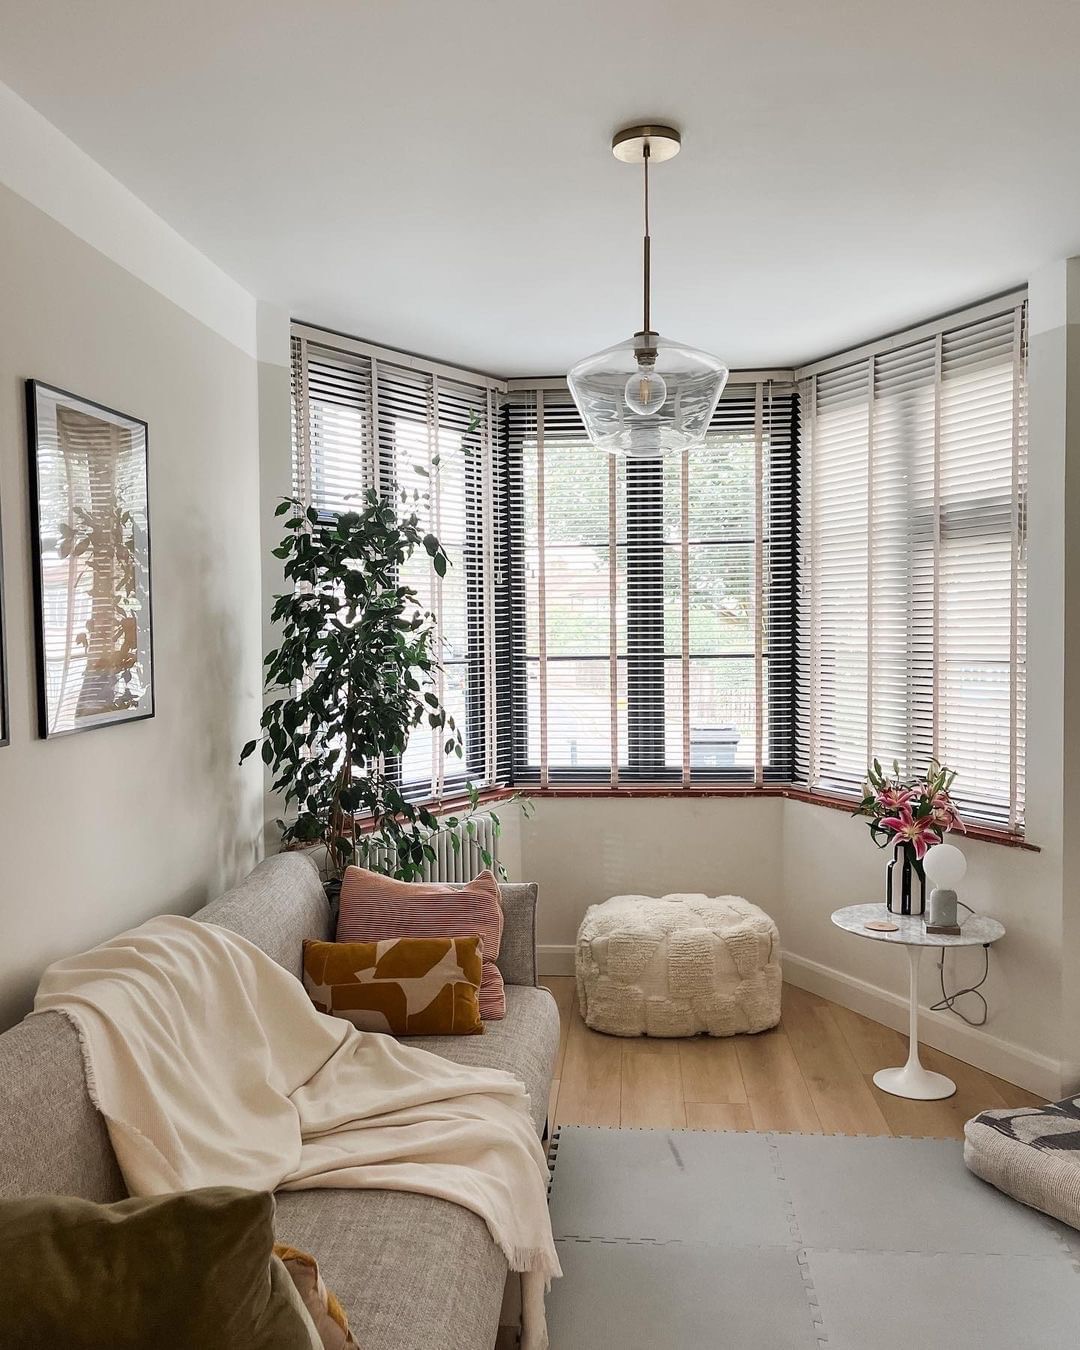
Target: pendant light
<point>647,395</point>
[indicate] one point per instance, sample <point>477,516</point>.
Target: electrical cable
<point>947,1002</point>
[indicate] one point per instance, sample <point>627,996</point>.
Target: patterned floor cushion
<point>1031,1153</point>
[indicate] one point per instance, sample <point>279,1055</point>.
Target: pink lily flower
<point>894,798</point>
<point>944,815</point>
<point>920,832</point>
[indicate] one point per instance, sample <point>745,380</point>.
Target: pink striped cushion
<point>375,908</point>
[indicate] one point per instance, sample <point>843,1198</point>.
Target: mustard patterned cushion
<point>407,986</point>
<point>323,1308</point>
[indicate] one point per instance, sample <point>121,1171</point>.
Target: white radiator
<point>460,864</point>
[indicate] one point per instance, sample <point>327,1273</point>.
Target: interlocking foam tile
<point>908,1301</point>
<point>685,1240</point>
<point>905,1195</point>
<point>684,1185</point>
<point>637,1296</point>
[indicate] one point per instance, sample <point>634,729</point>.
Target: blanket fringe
<point>534,1260</point>
<point>88,1064</point>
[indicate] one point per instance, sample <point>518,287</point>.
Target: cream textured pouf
<point>678,966</point>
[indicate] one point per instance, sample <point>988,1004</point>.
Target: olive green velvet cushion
<point>176,1272</point>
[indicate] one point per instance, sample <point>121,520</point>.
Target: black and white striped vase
<point>904,881</point>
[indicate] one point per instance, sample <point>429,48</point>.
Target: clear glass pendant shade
<point>647,395</point>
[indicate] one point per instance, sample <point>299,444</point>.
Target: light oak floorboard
<point>652,1095</point>
<point>590,1085</point>
<point>718,1116</point>
<point>811,1074</point>
<point>843,1102</point>
<point>775,1088</point>
<point>553,1104</point>
<point>1012,1095</point>
<point>710,1070</point>
<point>562,987</point>
<point>873,1046</point>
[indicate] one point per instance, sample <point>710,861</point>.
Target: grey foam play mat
<point>683,1240</point>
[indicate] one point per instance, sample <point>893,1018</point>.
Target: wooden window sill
<point>983,833</point>
<point>492,796</point>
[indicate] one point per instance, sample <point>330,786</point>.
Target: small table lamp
<point>946,866</point>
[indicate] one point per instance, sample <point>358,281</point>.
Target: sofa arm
<point>517,952</point>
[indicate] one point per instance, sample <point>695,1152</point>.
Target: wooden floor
<point>813,1073</point>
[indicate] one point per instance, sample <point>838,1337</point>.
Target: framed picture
<point>90,534</point>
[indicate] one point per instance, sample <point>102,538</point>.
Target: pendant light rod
<point>647,251</point>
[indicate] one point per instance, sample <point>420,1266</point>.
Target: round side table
<point>913,1080</point>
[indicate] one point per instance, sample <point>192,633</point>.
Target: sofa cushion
<point>524,1043</point>
<point>412,1272</point>
<point>407,986</point>
<point>188,1270</point>
<point>517,951</point>
<point>375,907</point>
<point>52,1139</point>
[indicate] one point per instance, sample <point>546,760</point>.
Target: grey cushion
<point>52,1139</point>
<point>280,904</point>
<point>412,1272</point>
<point>524,1043</point>
<point>517,951</point>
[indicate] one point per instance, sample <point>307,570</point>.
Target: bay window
<point>837,573</point>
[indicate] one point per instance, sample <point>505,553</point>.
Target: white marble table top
<point>975,931</point>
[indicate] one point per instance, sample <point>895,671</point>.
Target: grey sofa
<point>413,1272</point>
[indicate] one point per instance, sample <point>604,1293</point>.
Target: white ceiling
<point>435,174</point>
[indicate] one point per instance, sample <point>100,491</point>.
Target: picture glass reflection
<point>93,563</point>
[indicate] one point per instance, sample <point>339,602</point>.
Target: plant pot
<point>905,882</point>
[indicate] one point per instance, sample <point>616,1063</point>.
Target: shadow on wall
<point>221,680</point>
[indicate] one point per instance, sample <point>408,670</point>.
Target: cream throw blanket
<point>211,1068</point>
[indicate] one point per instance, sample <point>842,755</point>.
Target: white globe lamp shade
<point>945,865</point>
<point>647,395</point>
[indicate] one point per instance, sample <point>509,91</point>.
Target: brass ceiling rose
<point>629,144</point>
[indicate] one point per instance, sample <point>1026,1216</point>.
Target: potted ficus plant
<point>911,814</point>
<point>352,677</point>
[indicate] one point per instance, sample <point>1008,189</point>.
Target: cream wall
<point>102,829</point>
<point>583,849</point>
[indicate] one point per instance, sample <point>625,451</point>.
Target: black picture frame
<point>89,493</point>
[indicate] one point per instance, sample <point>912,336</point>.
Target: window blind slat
<point>428,443</point>
<point>655,599</point>
<point>912,472</point>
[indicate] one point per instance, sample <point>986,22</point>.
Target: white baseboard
<point>555,958</point>
<point>1038,1073</point>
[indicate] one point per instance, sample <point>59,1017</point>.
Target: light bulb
<point>645,391</point>
<point>945,865</point>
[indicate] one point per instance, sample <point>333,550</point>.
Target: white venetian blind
<point>911,563</point>
<point>364,420</point>
<point>652,600</point>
